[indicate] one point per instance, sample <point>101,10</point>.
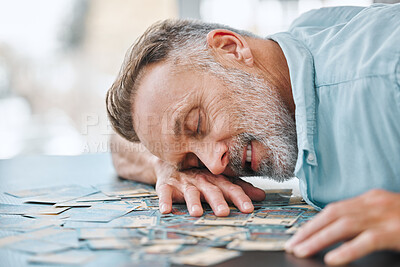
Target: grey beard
<point>262,116</point>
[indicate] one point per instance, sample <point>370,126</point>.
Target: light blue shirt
<point>344,65</point>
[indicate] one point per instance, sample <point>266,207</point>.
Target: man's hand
<point>193,186</point>
<point>371,221</point>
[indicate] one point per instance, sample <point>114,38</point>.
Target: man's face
<point>228,121</point>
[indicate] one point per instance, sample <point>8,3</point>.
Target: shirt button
<point>310,157</point>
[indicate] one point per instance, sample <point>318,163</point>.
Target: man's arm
<point>366,223</point>
<point>133,161</point>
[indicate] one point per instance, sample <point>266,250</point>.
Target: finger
<point>329,214</point>
<point>213,196</point>
<point>339,230</point>
<point>165,198</point>
<point>256,194</point>
<point>360,246</point>
<point>235,193</point>
<point>325,217</point>
<point>192,198</point>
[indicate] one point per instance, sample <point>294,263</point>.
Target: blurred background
<point>59,57</point>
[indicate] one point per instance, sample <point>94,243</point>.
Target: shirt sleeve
<point>326,17</point>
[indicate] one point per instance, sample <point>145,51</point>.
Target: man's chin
<point>265,171</point>
<point>280,176</point>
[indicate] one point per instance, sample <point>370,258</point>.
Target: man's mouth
<point>247,157</point>
<point>248,153</point>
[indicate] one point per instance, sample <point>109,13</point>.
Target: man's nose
<point>214,157</point>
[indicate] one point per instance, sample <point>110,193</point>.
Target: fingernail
<point>247,206</point>
<point>196,209</point>
<point>289,246</point>
<point>301,251</point>
<point>221,208</point>
<point>333,259</point>
<point>163,208</point>
<point>291,241</point>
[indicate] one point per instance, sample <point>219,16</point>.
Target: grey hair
<point>183,42</point>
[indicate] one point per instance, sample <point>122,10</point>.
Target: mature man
<point>320,102</point>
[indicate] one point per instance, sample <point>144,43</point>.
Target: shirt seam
<point>397,71</point>
<point>358,78</point>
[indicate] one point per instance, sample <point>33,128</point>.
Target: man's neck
<point>270,60</point>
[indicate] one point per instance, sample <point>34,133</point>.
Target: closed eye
<point>199,124</point>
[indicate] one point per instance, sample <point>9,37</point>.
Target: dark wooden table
<point>27,172</point>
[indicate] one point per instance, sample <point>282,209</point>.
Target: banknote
<point>204,256</point>
<point>260,241</point>
<point>38,246</point>
<point>162,248</point>
<point>210,232</point>
<point>114,243</point>
<point>162,236</point>
<point>125,189</point>
<point>250,245</point>
<point>100,196</point>
<point>304,218</point>
<point>70,257</point>
<point>67,193</point>
<point>234,218</point>
<point>271,216</point>
<point>13,209</point>
<point>121,222</point>
<point>151,202</point>
<point>25,224</point>
<point>103,233</point>
<point>144,205</point>
<point>74,204</point>
<point>49,233</point>
<point>100,212</point>
<point>34,192</point>
<point>89,225</point>
<point>176,221</point>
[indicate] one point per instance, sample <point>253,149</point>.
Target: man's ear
<point>230,45</point>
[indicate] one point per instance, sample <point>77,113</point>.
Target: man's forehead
<point>160,107</point>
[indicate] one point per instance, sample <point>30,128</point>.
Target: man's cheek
<point>226,123</point>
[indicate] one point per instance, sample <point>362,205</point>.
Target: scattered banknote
<point>71,257</point>
<point>249,245</point>
<point>38,246</point>
<point>126,189</point>
<point>25,224</point>
<point>234,218</point>
<point>66,193</point>
<point>11,209</point>
<point>285,217</point>
<point>34,192</point>
<point>205,256</point>
<point>105,212</point>
<point>162,248</point>
<point>114,243</point>
<point>163,236</point>
<point>77,225</point>
<point>102,233</point>
<point>50,234</point>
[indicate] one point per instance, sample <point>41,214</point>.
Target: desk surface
<point>41,171</point>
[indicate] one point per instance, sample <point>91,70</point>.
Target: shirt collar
<point>301,69</point>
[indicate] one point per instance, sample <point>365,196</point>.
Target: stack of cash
<point>120,223</point>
